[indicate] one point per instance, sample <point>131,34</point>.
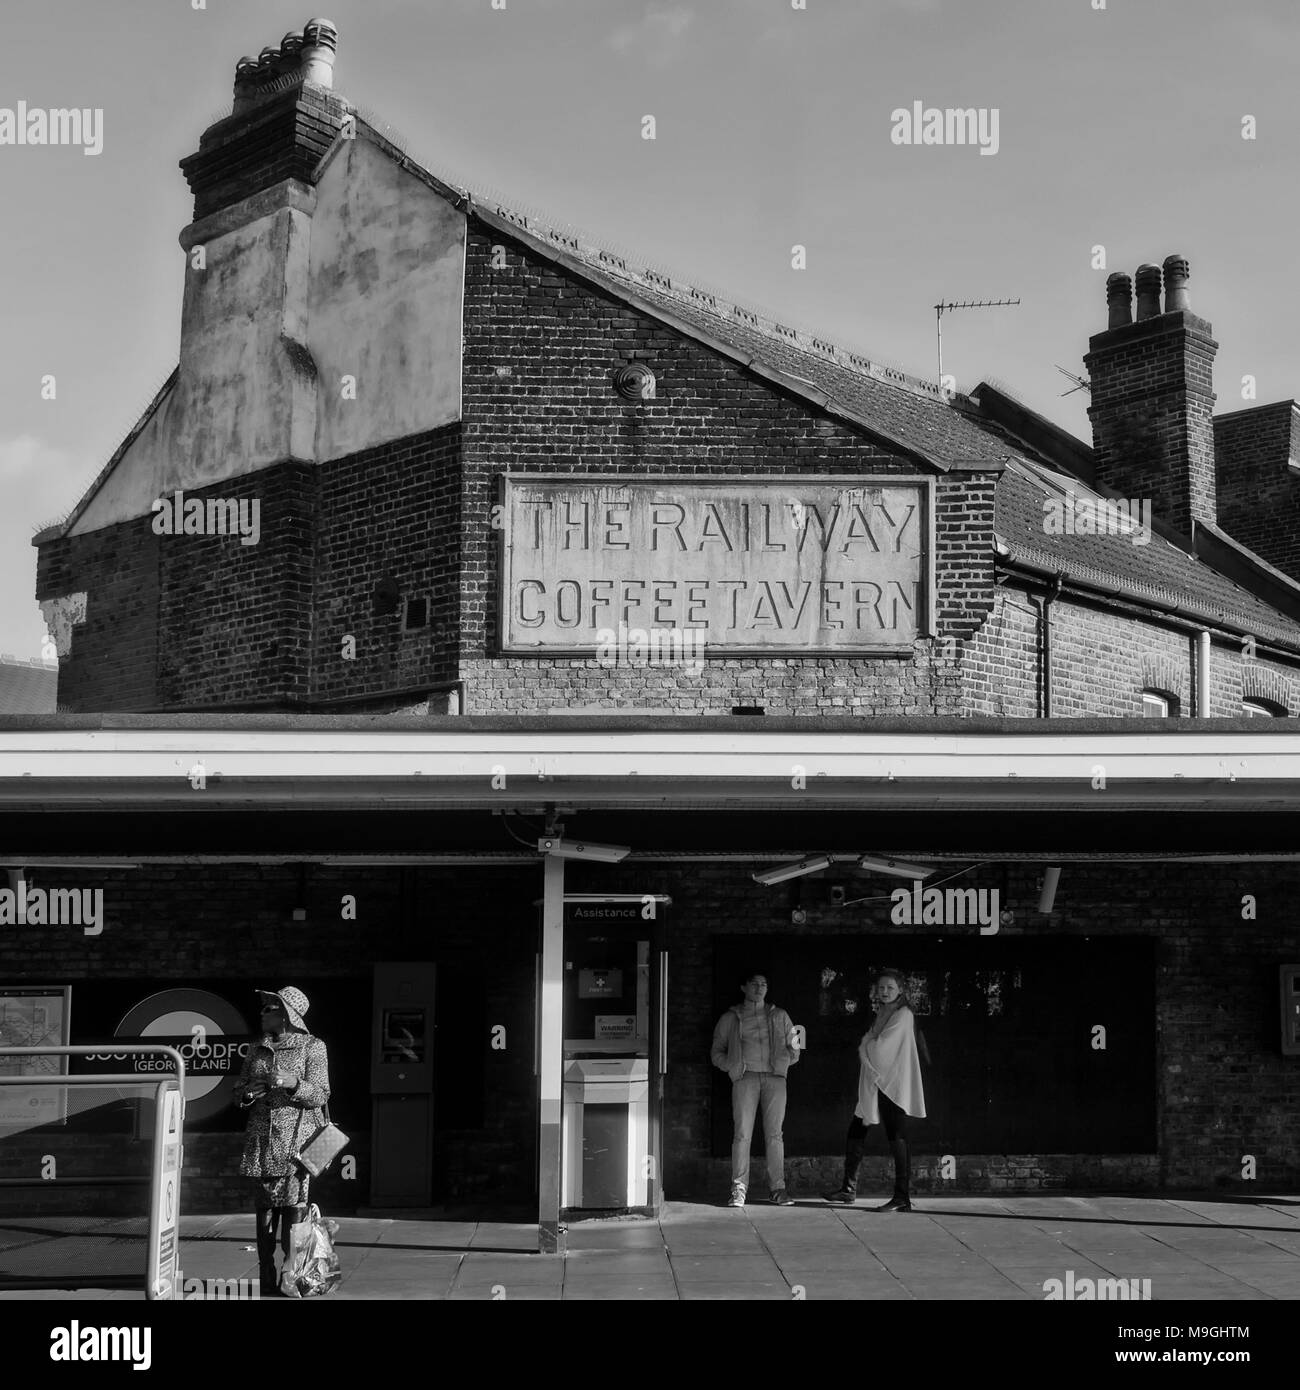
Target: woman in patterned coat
<point>285,1083</point>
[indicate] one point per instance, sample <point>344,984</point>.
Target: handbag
<point>323,1147</point>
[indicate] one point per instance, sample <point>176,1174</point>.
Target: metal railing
<point>165,1172</point>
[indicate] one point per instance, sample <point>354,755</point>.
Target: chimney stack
<point>1153,399</point>
<point>285,116</point>
<point>305,55</point>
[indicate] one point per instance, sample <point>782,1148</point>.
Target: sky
<point>1118,127</point>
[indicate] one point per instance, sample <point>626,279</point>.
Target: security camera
<point>580,849</point>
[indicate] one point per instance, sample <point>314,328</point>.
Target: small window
<point>1157,705</point>
<point>1262,709</point>
<point>416,615</point>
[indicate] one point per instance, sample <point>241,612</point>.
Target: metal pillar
<point>550,1241</point>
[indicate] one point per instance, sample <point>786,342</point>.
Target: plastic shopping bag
<point>312,1268</point>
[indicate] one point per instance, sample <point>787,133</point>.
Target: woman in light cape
<point>889,1090</point>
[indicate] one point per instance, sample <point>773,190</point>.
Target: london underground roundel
<point>209,1033</point>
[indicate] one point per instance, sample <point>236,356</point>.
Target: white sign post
<point>164,1208</point>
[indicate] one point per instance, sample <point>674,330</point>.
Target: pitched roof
<point>1157,574</point>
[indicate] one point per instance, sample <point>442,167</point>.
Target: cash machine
<point>401,1084</point>
<point>615,976</point>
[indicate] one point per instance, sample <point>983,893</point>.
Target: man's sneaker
<point>781,1198</point>
<point>737,1198</point>
<point>844,1194</point>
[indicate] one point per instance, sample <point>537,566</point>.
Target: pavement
<point>948,1247</point>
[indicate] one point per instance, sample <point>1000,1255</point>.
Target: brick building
<point>377,558</point>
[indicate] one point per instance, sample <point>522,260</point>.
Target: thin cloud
<point>656,35</point>
<point>46,480</point>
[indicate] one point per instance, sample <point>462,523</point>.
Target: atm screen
<point>403,1037</point>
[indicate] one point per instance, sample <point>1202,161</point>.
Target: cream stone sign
<point>737,564</point>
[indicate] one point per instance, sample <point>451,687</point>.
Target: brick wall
<point>1000,667</point>
<point>113,659</point>
<point>1259,496</point>
<point>190,620</point>
<point>233,618</point>
<point>282,137</point>
<point>392,511</point>
<point>1101,663</point>
<point>1224,1090</point>
<point>539,349</point>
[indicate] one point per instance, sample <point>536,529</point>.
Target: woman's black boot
<point>266,1275</point>
<point>900,1201</point>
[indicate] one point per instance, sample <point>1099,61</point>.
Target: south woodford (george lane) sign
<point>766,565</point>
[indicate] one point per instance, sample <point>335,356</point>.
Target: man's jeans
<point>757,1088</point>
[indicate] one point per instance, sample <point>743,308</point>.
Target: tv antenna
<point>941,309</point>
<point>1081,382</point>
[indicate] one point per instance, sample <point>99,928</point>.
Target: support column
<point>551,1065</point>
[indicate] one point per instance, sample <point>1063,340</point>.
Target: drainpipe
<point>1203,673</point>
<point>1046,642</point>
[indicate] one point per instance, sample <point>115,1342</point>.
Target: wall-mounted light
<point>899,868</point>
<point>794,870</point>
<point>582,849</point>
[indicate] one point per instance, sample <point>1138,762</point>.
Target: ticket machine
<point>401,1084</point>
<point>615,974</point>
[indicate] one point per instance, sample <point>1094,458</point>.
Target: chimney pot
<point>1119,299</point>
<point>287,56</point>
<point>268,60</point>
<point>246,82</point>
<point>1176,274</point>
<point>1148,292</point>
<point>320,41</point>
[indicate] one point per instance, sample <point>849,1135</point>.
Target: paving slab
<point>962,1248</point>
